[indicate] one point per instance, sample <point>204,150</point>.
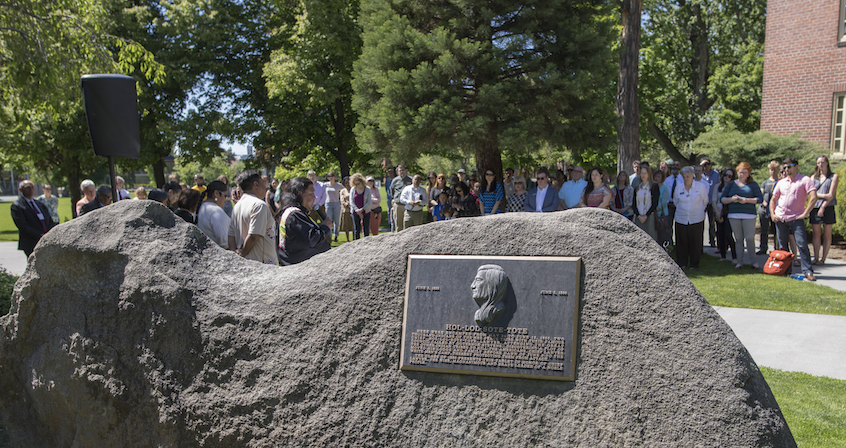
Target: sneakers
<point>809,277</point>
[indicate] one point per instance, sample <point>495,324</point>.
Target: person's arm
<point>656,195</point>
<point>828,197</point>
<point>773,203</point>
<point>812,201</point>
<point>757,195</point>
<point>605,201</point>
<point>526,207</point>
<point>726,197</point>
<point>231,243</point>
<point>251,241</point>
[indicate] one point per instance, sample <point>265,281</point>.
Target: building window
<point>842,24</point>
<point>837,137</point>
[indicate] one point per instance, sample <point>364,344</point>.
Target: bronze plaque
<point>498,316</point>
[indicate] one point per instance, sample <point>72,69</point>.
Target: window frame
<point>842,124</point>
<point>841,25</point>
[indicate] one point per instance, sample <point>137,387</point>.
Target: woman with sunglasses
<point>463,202</point>
<point>491,193</point>
<point>517,201</point>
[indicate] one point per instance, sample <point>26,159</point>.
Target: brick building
<point>805,71</point>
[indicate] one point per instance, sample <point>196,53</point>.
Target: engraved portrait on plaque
<point>489,288</point>
<point>521,319</point>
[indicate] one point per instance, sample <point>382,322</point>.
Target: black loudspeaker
<point>111,107</point>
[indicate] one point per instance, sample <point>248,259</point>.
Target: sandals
<point>819,263</point>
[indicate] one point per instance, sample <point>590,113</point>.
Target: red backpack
<point>779,263</point>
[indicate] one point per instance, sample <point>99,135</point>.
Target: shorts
<point>827,219</point>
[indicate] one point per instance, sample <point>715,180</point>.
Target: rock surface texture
<point>130,328</point>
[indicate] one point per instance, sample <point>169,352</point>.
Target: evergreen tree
<point>480,77</point>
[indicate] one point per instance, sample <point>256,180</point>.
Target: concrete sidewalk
<point>796,342</point>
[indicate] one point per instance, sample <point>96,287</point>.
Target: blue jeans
<point>333,212</point>
<point>796,227</point>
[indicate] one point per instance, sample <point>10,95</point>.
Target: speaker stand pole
<point>112,175</point>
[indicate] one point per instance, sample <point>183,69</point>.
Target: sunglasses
<point>489,174</point>
<point>789,166</point>
<point>541,178</point>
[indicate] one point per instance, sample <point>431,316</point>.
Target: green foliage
<point>310,78</point>
<point>480,78</point>
<point>7,284</point>
<point>814,407</point>
<point>728,148</point>
<point>839,227</point>
<point>186,169</point>
<point>701,68</point>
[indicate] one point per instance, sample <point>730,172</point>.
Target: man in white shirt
<point>252,230</point>
<point>414,197</point>
<point>571,191</point>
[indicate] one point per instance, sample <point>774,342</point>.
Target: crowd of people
<point>288,221</point>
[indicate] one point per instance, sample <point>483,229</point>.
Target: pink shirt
<point>791,196</point>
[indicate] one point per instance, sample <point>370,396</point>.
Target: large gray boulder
<point>130,328</point>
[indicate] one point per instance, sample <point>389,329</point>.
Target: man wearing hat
<point>199,183</point>
<point>462,175</point>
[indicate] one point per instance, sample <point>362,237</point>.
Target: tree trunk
<point>158,172</point>
<point>628,113</point>
<point>73,186</point>
<point>669,147</point>
<point>699,69</point>
<point>339,123</point>
<point>488,155</point>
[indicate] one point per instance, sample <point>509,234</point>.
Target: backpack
<point>780,263</point>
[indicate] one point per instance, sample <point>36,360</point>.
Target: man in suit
<point>543,198</point>
<point>31,217</point>
<point>104,198</point>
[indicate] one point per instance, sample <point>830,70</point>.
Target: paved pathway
<point>810,343</point>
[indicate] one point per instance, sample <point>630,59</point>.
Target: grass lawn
<point>722,285</point>
<point>814,407</point>
<point>8,231</point>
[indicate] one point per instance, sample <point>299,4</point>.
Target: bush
<point>839,228</point>
<point>728,148</point>
<point>7,284</point>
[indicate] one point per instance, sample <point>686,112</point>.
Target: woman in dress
<point>375,206</point>
<point>517,201</point>
<point>360,201</point>
<point>725,240</point>
<point>300,238</point>
<point>822,217</point>
<point>463,202</point>
<point>690,198</point>
<point>596,194</point>
<point>52,203</point>
<point>646,196</point>
<point>346,225</point>
<point>623,195</point>
<point>491,193</point>
<point>741,196</point>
